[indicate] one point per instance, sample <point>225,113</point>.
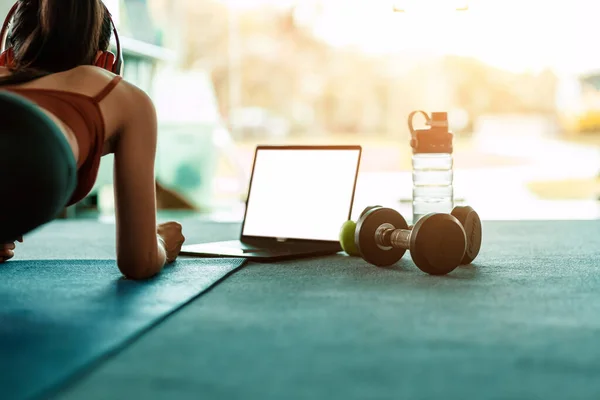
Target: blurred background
<point>520,80</point>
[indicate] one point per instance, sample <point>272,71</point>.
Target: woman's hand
<point>172,238</point>
<point>7,250</point>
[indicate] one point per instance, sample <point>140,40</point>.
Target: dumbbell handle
<point>390,237</point>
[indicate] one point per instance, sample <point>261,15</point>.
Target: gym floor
<point>518,324</point>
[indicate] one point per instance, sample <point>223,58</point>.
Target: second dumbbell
<point>466,215</point>
<point>437,243</point>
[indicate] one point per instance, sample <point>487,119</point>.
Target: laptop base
<point>239,249</point>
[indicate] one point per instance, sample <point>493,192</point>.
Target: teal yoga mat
<point>60,318</point>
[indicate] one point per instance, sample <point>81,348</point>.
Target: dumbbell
<point>466,215</point>
<point>437,242</point>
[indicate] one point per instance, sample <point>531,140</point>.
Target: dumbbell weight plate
<point>347,234</point>
<point>366,227</point>
<point>437,243</point>
<point>367,209</point>
<point>471,222</point>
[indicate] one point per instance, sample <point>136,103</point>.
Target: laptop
<point>298,198</point>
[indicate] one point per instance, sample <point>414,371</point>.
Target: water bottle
<point>432,165</point>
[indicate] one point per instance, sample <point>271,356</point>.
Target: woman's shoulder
<point>125,99</point>
<point>94,79</point>
<point>88,79</point>
<point>90,71</point>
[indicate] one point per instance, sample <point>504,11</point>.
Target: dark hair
<point>49,36</point>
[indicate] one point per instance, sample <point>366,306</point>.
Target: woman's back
<point>80,115</point>
<point>85,81</point>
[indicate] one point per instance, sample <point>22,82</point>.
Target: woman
<point>59,114</point>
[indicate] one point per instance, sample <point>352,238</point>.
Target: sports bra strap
<point>106,91</point>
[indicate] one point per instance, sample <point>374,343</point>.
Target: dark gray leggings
<point>38,172</point>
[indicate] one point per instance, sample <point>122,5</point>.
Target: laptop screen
<point>301,193</point>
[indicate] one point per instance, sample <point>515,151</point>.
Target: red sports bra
<point>81,113</point>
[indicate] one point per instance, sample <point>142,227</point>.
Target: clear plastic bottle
<point>432,166</point>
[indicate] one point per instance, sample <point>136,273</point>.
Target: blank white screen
<point>301,194</point>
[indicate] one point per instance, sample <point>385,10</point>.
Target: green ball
<point>347,238</point>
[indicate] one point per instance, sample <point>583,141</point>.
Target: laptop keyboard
<point>278,248</point>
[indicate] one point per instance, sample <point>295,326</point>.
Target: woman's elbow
<point>139,270</point>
